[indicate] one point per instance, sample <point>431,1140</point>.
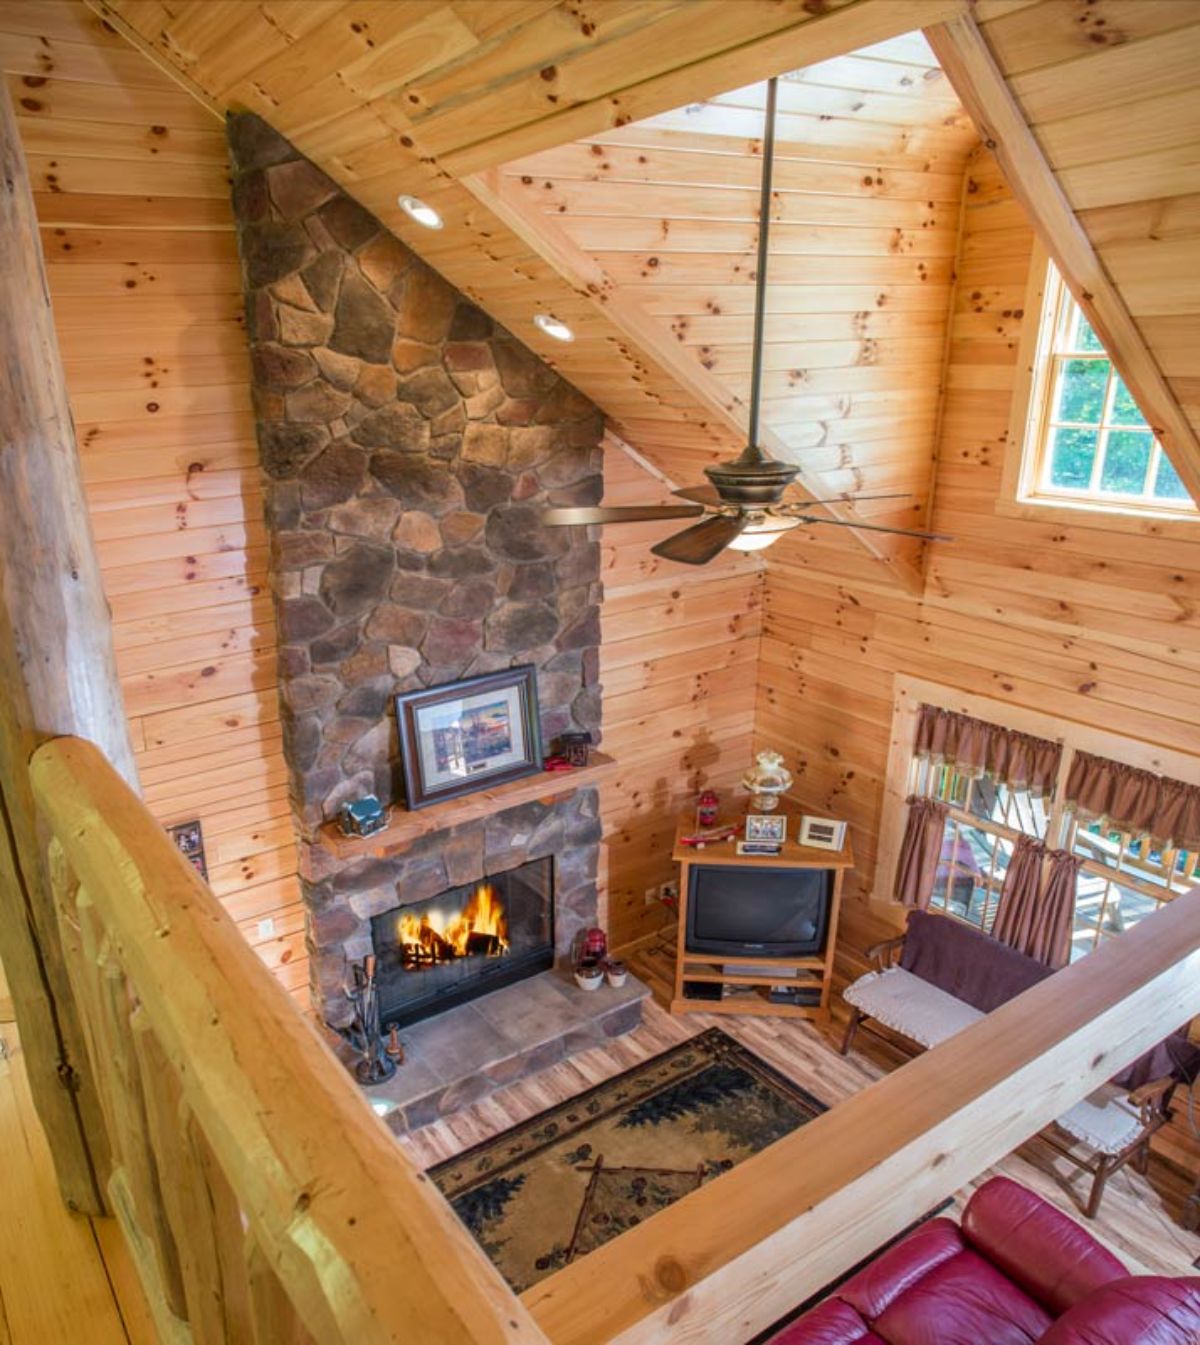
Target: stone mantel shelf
<point>406,827</point>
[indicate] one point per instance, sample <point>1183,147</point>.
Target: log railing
<point>265,1203</point>
<point>262,1200</point>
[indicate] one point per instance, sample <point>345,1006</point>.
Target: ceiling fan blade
<point>854,499</point>
<point>701,494</point>
<point>698,544</point>
<point>874,527</point>
<point>633,513</point>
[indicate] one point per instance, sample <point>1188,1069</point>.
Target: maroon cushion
<point>964,1301</point>
<point>896,1269</point>
<point>966,963</point>
<point>1049,1255</point>
<point>830,1323</point>
<point>1146,1309</point>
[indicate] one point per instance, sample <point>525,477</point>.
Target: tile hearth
<point>461,1056</point>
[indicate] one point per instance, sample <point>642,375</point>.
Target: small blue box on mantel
<point>362,817</point>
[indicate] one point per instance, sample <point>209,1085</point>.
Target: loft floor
<point>58,1270</point>
<point>1138,1218</point>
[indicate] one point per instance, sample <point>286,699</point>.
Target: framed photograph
<point>189,837</point>
<point>468,735</point>
<point>768,828</point>
<point>822,833</point>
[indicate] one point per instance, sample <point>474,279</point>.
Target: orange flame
<point>447,937</point>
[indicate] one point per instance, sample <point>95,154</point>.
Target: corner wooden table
<point>760,973</point>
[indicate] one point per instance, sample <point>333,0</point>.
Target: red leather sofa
<point>1016,1271</point>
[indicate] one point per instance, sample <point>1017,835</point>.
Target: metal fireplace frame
<point>494,973</point>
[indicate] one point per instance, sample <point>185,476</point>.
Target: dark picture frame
<point>468,735</point>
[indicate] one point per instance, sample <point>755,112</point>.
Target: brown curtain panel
<point>1134,800</point>
<point>975,747</point>
<point>1035,916</point>
<point>920,851</point>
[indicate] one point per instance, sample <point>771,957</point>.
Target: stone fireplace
<point>408,446</point>
<point>466,942</point>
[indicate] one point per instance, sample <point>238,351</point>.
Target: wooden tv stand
<point>710,969</point>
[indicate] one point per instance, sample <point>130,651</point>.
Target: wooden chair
<point>1113,1125</point>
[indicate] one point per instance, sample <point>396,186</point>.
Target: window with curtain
<point>1136,834</point>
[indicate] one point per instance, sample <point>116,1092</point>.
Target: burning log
<point>485,945</point>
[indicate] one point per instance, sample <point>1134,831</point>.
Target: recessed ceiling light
<point>553,327</point>
<point>418,210</point>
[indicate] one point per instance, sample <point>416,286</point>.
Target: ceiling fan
<point>743,506</point>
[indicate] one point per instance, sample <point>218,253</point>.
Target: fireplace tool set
<point>378,1063</point>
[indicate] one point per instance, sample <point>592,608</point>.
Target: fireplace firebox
<point>465,942</point>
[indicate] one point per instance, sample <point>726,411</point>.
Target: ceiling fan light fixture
<point>552,326</point>
<point>760,533</point>
<point>420,211</point>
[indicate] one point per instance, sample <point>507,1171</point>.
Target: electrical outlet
<point>669,893</point>
<point>651,895</point>
<point>266,928</point>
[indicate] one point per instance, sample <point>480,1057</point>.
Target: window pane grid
<point>1088,438</point>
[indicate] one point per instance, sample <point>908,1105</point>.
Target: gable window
<point>1086,443</point>
<point>1129,835</point>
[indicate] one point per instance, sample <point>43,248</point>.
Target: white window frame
<point>1025,443</point>
<point>910,693</point>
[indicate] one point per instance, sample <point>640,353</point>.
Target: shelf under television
<point>817,963</point>
<point>761,1007</point>
<point>716,978</point>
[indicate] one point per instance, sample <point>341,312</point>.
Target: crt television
<point>767,912</point>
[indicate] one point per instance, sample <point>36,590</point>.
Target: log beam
<point>57,668</point>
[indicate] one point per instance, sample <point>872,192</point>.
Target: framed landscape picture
<point>468,735</point>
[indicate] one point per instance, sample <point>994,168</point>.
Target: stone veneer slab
<point>460,1056</point>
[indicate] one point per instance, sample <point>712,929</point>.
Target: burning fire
<point>479,928</point>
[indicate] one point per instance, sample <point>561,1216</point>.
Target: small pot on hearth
<point>615,971</point>
<point>589,974</point>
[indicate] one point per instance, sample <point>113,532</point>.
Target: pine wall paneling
<point>678,665</point>
<point>132,194</point>
<point>1090,623</point>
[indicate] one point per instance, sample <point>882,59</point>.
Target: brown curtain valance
<point>1134,800</point>
<point>975,747</point>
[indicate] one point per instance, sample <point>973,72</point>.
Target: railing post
<point>56,667</point>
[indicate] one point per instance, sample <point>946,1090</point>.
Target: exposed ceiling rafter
<point>964,55</point>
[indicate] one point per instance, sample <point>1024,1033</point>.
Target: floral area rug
<point>547,1192</point>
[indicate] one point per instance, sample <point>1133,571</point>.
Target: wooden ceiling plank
<point>1088,83</point>
<point>1039,35</point>
<point>806,41</point>
<point>646,134</point>
<point>1140,177</point>
<point>964,55</point>
<point>683,35</point>
<point>1153,123</point>
<point>106,105</point>
<point>720,172</point>
<point>652,338</point>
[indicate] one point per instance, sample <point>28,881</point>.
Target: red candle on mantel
<point>708,805</point>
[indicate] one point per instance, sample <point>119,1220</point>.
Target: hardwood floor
<point>1138,1218</point>
<point>63,1278</point>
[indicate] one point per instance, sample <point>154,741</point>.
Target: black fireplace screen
<point>464,942</point>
